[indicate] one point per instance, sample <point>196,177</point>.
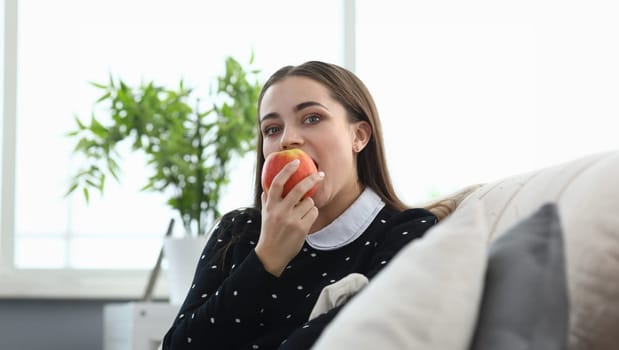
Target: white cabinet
<point>136,325</point>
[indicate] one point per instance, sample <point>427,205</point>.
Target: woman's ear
<point>363,132</point>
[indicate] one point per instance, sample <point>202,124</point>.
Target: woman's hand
<point>285,221</point>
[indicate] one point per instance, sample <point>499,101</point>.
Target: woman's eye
<point>270,130</point>
<point>311,119</point>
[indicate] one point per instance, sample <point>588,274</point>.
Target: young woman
<point>263,268</point>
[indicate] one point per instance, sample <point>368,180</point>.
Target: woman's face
<point>298,112</point>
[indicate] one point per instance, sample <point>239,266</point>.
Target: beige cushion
<point>426,298</point>
<point>586,191</point>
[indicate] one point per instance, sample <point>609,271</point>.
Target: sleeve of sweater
<point>222,307</point>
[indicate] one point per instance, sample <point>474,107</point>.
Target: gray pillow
<point>525,303</point>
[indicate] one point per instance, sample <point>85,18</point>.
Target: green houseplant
<point>188,140</point>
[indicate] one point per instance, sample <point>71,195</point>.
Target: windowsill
<point>82,284</point>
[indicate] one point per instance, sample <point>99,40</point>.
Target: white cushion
<point>427,297</point>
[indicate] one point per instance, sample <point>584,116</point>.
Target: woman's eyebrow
<point>307,104</point>
<point>296,108</point>
<point>271,115</point>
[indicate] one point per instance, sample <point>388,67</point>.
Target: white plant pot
<point>181,255</point>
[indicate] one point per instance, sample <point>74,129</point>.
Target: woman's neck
<point>337,205</point>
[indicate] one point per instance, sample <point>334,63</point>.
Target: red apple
<point>276,161</point>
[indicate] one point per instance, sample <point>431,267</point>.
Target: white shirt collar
<point>350,225</point>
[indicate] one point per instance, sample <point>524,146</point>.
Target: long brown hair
<point>351,92</point>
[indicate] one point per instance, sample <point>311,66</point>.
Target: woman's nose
<point>291,138</point>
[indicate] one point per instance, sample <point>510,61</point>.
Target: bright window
<point>65,44</point>
<point>468,92</point>
<point>473,91</point>
<point>2,50</point>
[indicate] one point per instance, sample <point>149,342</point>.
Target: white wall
<point>474,91</point>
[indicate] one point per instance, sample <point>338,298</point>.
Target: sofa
<point>530,261</point>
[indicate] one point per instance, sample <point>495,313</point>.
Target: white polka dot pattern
<point>233,297</point>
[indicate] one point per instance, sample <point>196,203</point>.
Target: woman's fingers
<point>304,206</point>
<point>277,185</point>
<point>299,190</point>
<point>308,211</point>
<point>285,221</point>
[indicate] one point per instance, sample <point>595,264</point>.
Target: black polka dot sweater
<point>234,303</point>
